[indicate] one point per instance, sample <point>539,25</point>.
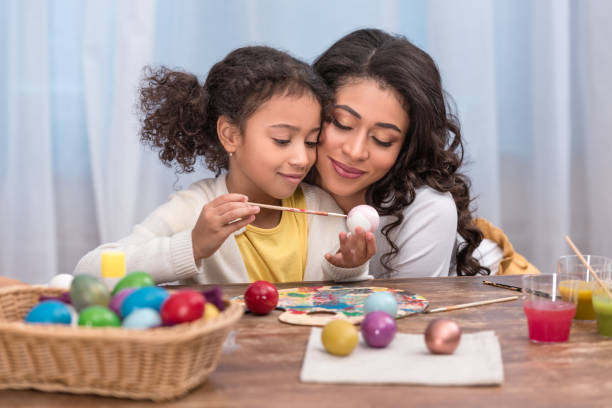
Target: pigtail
<point>174,114</point>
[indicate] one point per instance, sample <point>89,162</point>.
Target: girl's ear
<point>229,134</point>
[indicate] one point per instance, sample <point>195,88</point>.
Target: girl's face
<point>276,149</point>
<point>361,143</point>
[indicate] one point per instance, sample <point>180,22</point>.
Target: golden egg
<point>339,337</point>
<point>210,311</point>
<point>442,336</point>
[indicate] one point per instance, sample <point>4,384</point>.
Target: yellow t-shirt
<point>277,254</point>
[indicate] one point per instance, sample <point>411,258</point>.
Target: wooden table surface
<point>263,370</point>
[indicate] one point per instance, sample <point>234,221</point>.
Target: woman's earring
<point>230,154</point>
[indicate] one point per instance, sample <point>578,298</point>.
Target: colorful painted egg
<point>384,301</point>
<point>136,279</point>
<point>362,216</point>
<point>149,296</point>
<point>117,300</point>
<point>339,337</point>
<point>98,316</point>
<point>142,319</point>
<point>210,311</point>
<point>183,306</point>
<point>87,291</point>
<point>62,281</point>
<point>49,312</point>
<point>215,296</point>
<point>261,297</point>
<point>378,329</point>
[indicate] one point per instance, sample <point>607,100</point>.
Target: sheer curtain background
<point>530,80</point>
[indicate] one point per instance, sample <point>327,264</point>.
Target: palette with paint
<point>317,305</point>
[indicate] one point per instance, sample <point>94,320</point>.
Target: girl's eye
<point>340,125</point>
<point>381,143</point>
<point>311,144</point>
<point>282,141</point>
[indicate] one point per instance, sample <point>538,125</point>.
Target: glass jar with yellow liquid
<point>576,281</point>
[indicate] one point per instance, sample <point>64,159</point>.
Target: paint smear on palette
<point>317,305</point>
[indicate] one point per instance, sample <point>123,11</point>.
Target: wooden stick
<point>585,263</point>
<point>464,305</point>
<point>298,210</point>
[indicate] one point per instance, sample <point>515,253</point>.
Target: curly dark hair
<point>179,116</point>
<point>432,151</point>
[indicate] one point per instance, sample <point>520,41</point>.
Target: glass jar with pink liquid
<point>549,315</point>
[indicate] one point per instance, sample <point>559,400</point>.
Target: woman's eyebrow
<point>349,110</point>
<point>388,126</point>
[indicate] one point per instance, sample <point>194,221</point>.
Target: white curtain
<point>530,81</point>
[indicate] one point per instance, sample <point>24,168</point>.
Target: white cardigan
<point>427,240</point>
<point>161,245</point>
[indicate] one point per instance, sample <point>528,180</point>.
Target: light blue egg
<point>49,312</point>
<point>142,319</point>
<point>148,296</point>
<point>384,301</point>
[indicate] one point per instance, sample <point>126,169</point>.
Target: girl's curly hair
<point>179,115</point>
<point>432,151</point>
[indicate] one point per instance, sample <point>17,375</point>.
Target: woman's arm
<point>161,245</point>
<point>425,239</point>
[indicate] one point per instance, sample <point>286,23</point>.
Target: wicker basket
<point>157,364</point>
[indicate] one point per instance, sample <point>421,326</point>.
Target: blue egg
<point>384,301</point>
<point>49,312</point>
<point>148,296</point>
<point>142,319</point>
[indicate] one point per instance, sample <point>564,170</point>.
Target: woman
<point>389,141</point>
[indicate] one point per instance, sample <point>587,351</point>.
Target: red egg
<point>261,297</point>
<point>184,306</point>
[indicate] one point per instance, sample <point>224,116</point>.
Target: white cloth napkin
<point>477,361</point>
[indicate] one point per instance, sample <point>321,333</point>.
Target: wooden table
<point>264,370</point>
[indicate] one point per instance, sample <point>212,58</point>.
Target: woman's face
<point>362,141</point>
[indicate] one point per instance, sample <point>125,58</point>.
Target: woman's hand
<point>219,218</point>
<point>355,249</point>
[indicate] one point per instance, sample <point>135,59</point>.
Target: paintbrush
<point>586,264</point>
<point>516,288</point>
<point>465,305</point>
<point>298,210</point>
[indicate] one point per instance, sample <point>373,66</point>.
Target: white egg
<point>74,322</point>
<point>362,216</point>
<point>62,281</point>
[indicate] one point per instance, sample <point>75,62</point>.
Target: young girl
<point>389,141</point>
<point>257,116</point>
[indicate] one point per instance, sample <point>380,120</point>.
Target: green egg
<point>98,316</point>
<point>136,279</point>
<point>87,290</point>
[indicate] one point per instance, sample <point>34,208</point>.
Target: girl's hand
<point>219,218</point>
<point>355,249</point>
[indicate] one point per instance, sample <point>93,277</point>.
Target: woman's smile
<point>346,170</point>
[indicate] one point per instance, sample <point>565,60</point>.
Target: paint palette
<point>317,305</point>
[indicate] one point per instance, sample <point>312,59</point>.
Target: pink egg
<point>362,216</point>
<point>117,300</point>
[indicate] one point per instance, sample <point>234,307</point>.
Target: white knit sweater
<point>161,245</point>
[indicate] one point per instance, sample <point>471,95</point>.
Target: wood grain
<point>264,369</point>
